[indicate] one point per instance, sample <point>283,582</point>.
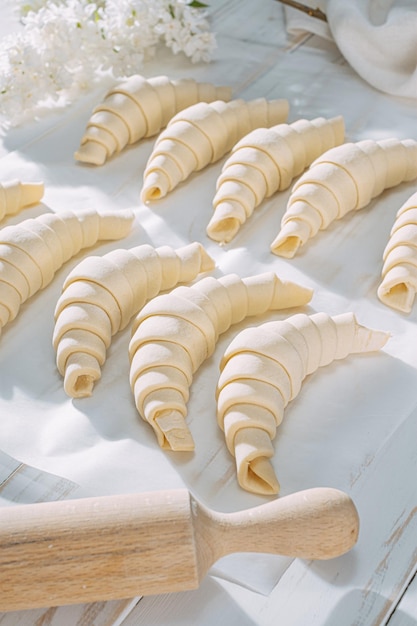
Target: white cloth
<point>378,38</point>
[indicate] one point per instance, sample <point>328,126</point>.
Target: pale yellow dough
<point>101,295</point>
<point>345,178</point>
<point>202,134</point>
<point>16,195</point>
<point>33,250</point>
<point>174,333</point>
<point>139,107</point>
<point>262,370</point>
<point>263,162</point>
<point>398,285</point>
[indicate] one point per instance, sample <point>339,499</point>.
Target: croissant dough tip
<point>155,187</point>
<point>287,249</point>
<point>32,192</point>
<point>78,385</point>
<point>369,340</point>
<point>397,294</point>
<point>224,224</point>
<point>207,261</point>
<point>91,153</point>
<point>288,241</point>
<point>116,224</point>
<point>255,473</point>
<point>174,433</point>
<point>260,478</point>
<point>293,293</point>
<point>15,195</point>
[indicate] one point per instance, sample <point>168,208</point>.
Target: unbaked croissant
<point>266,161</point>
<point>342,179</point>
<point>101,295</point>
<point>139,107</point>
<point>174,333</point>
<point>202,134</point>
<point>15,195</point>
<point>33,250</point>
<point>399,271</point>
<point>263,369</point>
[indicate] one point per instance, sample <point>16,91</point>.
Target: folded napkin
<point>378,39</point>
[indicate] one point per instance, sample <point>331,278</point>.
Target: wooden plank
<point>405,613</point>
<point>97,613</point>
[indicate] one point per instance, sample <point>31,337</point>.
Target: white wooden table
<point>353,426</point>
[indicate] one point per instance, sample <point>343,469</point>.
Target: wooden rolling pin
<point>111,547</point>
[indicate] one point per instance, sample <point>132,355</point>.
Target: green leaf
<point>195,4</point>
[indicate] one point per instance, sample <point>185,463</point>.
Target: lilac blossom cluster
<point>66,46</point>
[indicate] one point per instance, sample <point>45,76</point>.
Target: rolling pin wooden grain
<point>113,547</point>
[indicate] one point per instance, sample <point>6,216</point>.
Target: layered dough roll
<point>202,134</point>
<point>139,107</point>
<point>399,271</point>
<point>32,251</point>
<point>266,161</point>
<point>174,333</point>
<point>15,195</point>
<point>343,179</point>
<point>263,369</point>
<point>101,295</point>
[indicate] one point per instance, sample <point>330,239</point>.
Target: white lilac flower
<point>67,46</point>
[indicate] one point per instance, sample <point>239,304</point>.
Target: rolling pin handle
<point>319,523</point>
